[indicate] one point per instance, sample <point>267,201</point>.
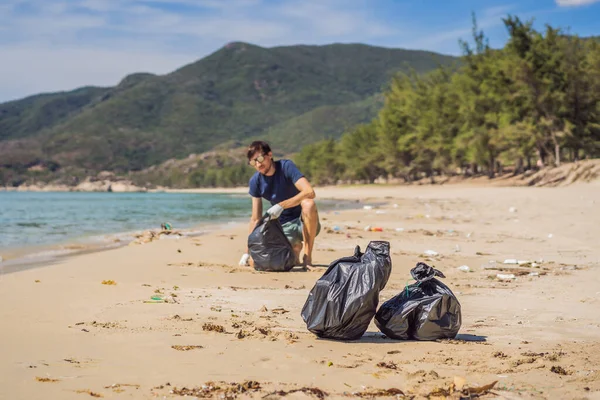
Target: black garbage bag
<point>344,300</point>
<point>425,310</point>
<point>269,248</point>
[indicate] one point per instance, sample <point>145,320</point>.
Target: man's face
<point>261,162</point>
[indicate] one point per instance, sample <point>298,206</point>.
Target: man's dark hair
<point>256,146</point>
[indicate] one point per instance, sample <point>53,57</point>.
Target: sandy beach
<point>227,331</point>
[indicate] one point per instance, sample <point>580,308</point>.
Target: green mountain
<point>291,95</point>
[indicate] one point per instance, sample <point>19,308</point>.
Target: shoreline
<point>17,258</point>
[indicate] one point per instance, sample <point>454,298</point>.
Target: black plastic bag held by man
<point>425,310</point>
<point>344,300</point>
<point>269,248</point>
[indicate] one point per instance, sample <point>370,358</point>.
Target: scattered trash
<point>505,277</point>
<point>534,274</point>
<point>380,212</point>
<point>109,282</point>
<point>367,228</point>
<point>550,236</point>
<point>395,205</point>
<point>399,229</point>
<point>336,228</point>
<point>376,229</point>
<point>368,207</point>
<point>166,226</point>
<point>431,253</point>
<point>469,234</point>
<point>512,209</point>
<point>457,249</point>
<point>464,268</point>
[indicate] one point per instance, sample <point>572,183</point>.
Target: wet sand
<point>66,335</point>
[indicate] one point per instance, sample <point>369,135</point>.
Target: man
<point>291,196</point>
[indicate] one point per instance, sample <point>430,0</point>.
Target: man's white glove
<point>275,211</point>
<point>244,260</point>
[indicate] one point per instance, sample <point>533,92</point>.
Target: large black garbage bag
<point>344,300</point>
<point>269,248</point>
<point>425,310</point>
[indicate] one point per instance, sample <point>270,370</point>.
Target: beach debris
<point>209,326</point>
<point>380,212</point>
<point>399,229</point>
<point>316,392</point>
<point>557,369</point>
<point>88,391</point>
<point>186,347</point>
<point>464,268</point>
<point>221,390</point>
<point>550,236</point>
<point>299,287</point>
<point>387,364</point>
<point>392,392</point>
<point>72,361</point>
<point>431,253</point>
<point>367,207</point>
<point>109,282</point>
<point>279,311</point>
<point>512,210</point>
<point>37,281</point>
<point>505,277</point>
<point>263,309</point>
<point>457,249</point>
<point>118,387</point>
<point>151,235</point>
<point>37,378</point>
<point>166,226</point>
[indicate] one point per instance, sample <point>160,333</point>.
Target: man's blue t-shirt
<point>278,187</point>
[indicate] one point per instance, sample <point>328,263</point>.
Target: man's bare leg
<point>310,219</point>
<point>297,249</point>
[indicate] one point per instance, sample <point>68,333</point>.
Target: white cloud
<point>575,3</point>
<point>51,45</point>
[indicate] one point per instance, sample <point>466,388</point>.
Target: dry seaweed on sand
<point>387,364</point>
<point>209,326</point>
<point>87,391</point>
<point>379,393</point>
<point>316,392</point>
<point>37,378</point>
<point>109,282</point>
<point>220,390</point>
<point>186,347</point>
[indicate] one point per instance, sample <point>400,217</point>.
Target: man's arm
<point>256,213</point>
<point>306,192</point>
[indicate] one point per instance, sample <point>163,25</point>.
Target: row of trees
<point>535,100</point>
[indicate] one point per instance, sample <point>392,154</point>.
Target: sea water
<point>51,223</point>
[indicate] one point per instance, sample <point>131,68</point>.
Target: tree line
<point>536,101</point>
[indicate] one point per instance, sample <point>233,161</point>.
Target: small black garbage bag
<point>425,310</point>
<point>344,300</point>
<point>269,247</point>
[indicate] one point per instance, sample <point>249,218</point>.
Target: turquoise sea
<point>44,222</point>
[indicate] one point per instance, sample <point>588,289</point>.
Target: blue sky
<point>52,45</point>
